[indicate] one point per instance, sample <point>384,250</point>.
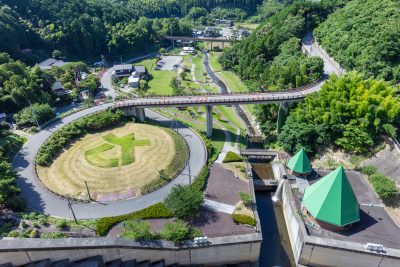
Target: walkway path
<point>218,206</point>
<point>42,200</point>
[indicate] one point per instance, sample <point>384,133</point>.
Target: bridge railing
<point>285,91</point>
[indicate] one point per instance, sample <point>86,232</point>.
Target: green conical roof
<point>332,199</point>
<point>300,162</point>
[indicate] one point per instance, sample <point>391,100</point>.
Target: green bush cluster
<point>369,170</point>
<point>158,210</point>
<point>53,235</point>
<point>178,231</point>
<point>201,179</point>
<point>56,143</point>
<point>184,201</point>
<point>138,230</point>
<point>246,198</point>
<point>244,219</point>
<point>383,186</point>
<point>232,157</point>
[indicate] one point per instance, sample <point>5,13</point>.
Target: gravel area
<point>223,186</point>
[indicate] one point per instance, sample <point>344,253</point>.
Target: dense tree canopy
<point>365,36</point>
<point>89,28</point>
<point>349,112</point>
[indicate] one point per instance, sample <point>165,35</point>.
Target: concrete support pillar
<point>223,45</point>
<point>211,47</point>
<point>282,113</point>
<point>209,121</point>
<point>140,114</point>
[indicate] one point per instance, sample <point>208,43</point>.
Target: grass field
<point>160,79</point>
<point>159,151</point>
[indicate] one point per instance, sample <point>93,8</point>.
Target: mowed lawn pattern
<point>93,156</point>
<point>68,173</point>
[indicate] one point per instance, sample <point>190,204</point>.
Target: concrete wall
<point>223,250</point>
<point>316,251</point>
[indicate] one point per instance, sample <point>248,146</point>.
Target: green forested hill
<point>88,28</point>
<point>365,36</point>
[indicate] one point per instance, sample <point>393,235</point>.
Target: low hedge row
<point>244,219</point>
<point>383,186</point>
<point>57,142</point>
<point>232,157</point>
<point>158,210</point>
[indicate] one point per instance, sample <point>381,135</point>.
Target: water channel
<point>275,248</point>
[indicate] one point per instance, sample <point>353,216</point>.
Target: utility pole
<point>72,211</point>
<point>87,189</point>
<point>176,123</point>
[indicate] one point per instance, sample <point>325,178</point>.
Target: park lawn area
<point>93,157</point>
<point>200,69</point>
<point>159,83</point>
<point>234,83</point>
<point>213,60</point>
<point>68,173</point>
<point>247,25</point>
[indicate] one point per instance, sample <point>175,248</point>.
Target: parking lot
<point>169,63</point>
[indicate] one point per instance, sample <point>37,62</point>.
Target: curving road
<point>42,200</point>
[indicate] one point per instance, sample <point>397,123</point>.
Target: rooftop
<point>300,162</point>
<point>123,67</point>
<point>51,62</point>
<point>332,199</point>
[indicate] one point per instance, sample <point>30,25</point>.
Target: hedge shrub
<point>383,186</point>
<point>244,219</point>
<point>369,170</point>
<point>200,182</point>
<point>56,143</point>
<point>232,157</point>
<point>158,210</point>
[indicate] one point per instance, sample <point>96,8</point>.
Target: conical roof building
<point>332,200</point>
<point>300,163</point>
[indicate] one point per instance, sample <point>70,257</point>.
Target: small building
<point>3,117</point>
<point>331,201</point>
<point>133,81</point>
<point>85,94</point>
<point>211,32</point>
<point>123,70</point>
<point>188,50</point>
<point>50,63</point>
<point>300,164</point>
<point>140,71</point>
<point>224,22</point>
<point>58,89</point>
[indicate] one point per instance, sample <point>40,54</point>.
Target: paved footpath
<point>42,200</point>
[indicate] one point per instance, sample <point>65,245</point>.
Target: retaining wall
<point>223,250</point>
<point>316,251</point>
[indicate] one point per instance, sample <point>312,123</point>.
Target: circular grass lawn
<point>117,164</point>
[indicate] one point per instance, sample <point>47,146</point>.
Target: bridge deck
<point>293,95</point>
<point>200,39</point>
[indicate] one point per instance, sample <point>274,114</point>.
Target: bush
<point>178,231</point>
<point>184,201</point>
<point>158,210</point>
<point>139,230</point>
<point>36,113</point>
<point>244,219</point>
<point>61,224</point>
<point>369,170</point>
<point>246,198</point>
<point>201,179</point>
<point>53,235</point>
<point>232,157</point>
<point>383,186</point>
<point>56,143</point>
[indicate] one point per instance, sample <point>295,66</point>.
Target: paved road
<point>42,200</point>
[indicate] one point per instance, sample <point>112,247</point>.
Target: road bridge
<point>201,39</point>
<point>136,107</point>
